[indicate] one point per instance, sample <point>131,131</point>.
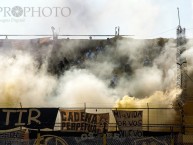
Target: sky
<point>141,18</point>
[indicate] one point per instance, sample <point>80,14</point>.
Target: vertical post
<point>38,137</point>
<point>21,107</point>
<point>84,107</point>
<point>84,111</point>
<point>116,123</point>
<point>55,36</point>
<point>118,30</point>
<point>178,16</point>
<point>56,143</point>
<point>53,33</point>
<point>104,134</point>
<point>115,31</point>
<point>147,117</point>
<point>172,135</point>
<point>182,119</point>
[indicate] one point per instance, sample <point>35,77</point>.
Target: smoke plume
<point>26,77</point>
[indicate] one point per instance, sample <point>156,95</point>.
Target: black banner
<point>34,118</point>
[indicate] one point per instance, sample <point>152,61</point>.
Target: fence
<point>63,140</point>
<point>161,126</point>
<point>154,119</point>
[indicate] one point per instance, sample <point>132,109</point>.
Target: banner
<point>18,134</point>
<point>34,118</point>
<point>128,120</point>
<point>78,120</point>
<point>97,123</point>
<point>72,120</point>
<point>12,137</point>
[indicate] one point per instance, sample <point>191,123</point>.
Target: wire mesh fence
<point>160,126</point>
<point>154,119</point>
<point>63,140</point>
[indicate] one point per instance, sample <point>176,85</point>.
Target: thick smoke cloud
<point>77,87</point>
<point>141,67</point>
<point>189,62</point>
<point>22,82</point>
<point>145,72</point>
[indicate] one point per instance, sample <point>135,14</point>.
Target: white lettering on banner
<point>132,133</point>
<point>20,117</point>
<point>128,114</point>
<point>34,118</point>
<point>91,136</point>
<point>79,120</point>
<point>8,115</point>
<point>129,122</point>
<point>20,113</point>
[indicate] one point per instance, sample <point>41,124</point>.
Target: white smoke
<point>25,80</point>
<point>77,87</point>
<point>22,82</point>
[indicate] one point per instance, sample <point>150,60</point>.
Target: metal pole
<point>84,107</point>
<point>116,123</point>
<point>115,31</point>
<point>182,120</point>
<point>172,135</point>
<point>53,32</point>
<point>118,30</point>
<point>20,105</point>
<point>104,135</point>
<point>20,126</point>
<point>38,138</point>
<point>147,117</point>
<point>178,16</point>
